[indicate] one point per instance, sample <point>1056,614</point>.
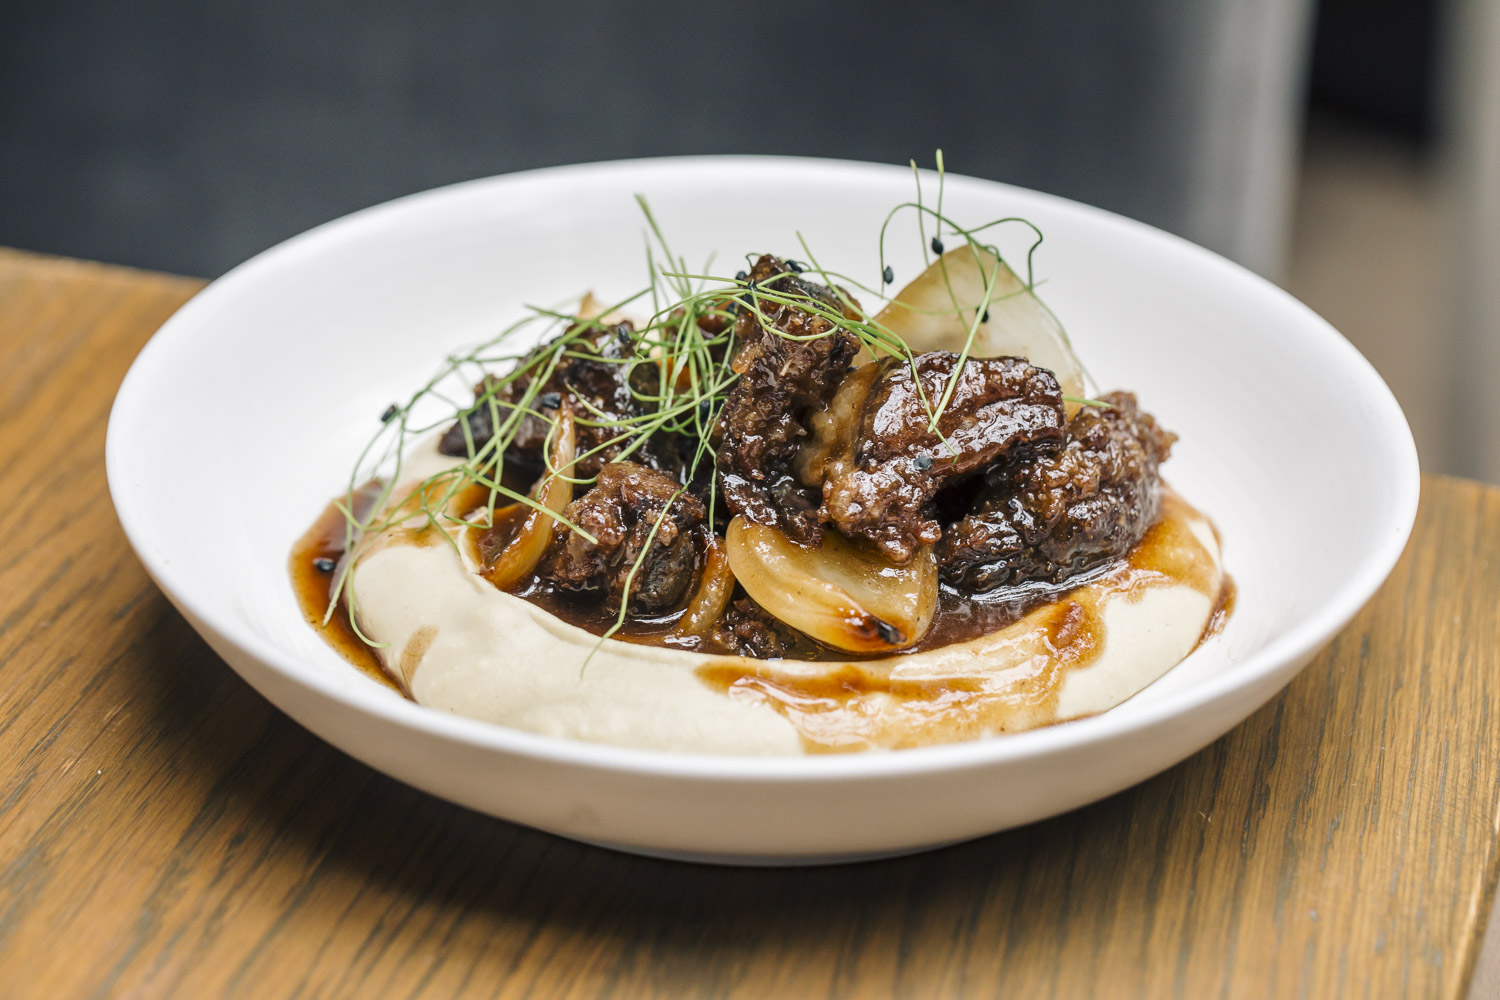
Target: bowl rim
<point>1384,416</point>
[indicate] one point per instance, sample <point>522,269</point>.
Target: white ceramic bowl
<point>242,417</point>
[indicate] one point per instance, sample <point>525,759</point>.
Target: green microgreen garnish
<point>694,379</point>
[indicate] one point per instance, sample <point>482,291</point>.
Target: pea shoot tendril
<point>694,378</point>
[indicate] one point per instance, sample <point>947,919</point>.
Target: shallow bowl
<point>245,412</point>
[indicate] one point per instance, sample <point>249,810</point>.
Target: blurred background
<point>1347,149</point>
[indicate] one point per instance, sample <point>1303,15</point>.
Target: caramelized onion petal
<point>591,308</point>
<point>713,593</point>
<point>835,430</point>
<point>519,559</point>
<point>838,593</point>
<point>1019,325</point>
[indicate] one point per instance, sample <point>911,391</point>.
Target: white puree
<point>461,645</point>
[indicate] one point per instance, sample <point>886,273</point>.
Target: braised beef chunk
<point>1053,515</point>
<point>1005,488</point>
<point>747,629</point>
<point>620,511</point>
<point>883,490</point>
<point>479,420</point>
<point>782,383</point>
<point>601,385</point>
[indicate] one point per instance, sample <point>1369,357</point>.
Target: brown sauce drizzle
<point>314,587</point>
<point>976,686</point>
<point>1223,608</point>
<point>861,705</point>
<point>975,682</point>
<point>958,618</point>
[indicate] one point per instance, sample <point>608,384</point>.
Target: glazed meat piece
<point>1052,516</point>
<point>880,484</point>
<point>620,511</point>
<point>602,378</point>
<point>747,629</point>
<point>479,421</point>
<point>782,383</point>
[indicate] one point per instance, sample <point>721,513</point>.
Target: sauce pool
<point>314,565</point>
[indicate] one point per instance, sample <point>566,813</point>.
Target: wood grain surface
<point>165,832</point>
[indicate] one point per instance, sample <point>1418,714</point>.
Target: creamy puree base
<point>456,643</point>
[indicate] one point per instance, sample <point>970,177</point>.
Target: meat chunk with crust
<point>620,511</point>
<point>783,381</point>
<point>1053,516</point>
<point>599,379</point>
<point>748,629</point>
<point>882,487</point>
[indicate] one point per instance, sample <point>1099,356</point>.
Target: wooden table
<point>164,831</point>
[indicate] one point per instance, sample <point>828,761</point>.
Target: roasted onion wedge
<point>589,307</point>
<point>835,430</point>
<point>554,492</point>
<point>930,317</point>
<point>713,593</point>
<point>838,592</point>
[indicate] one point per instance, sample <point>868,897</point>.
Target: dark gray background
<point>188,136</point>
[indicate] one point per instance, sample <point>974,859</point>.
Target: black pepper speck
<point>889,274</point>
<point>323,564</point>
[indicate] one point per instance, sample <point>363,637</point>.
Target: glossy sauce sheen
<point>959,617</point>
<point>868,704</point>
<point>313,587</point>
<point>848,702</point>
<point>1223,609</point>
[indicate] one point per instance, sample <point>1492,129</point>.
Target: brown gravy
<point>314,587</point>
<point>865,700</point>
<point>959,617</point>
<point>858,705</point>
<point>862,705</point>
<point>1223,608</point>
<point>325,540</point>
